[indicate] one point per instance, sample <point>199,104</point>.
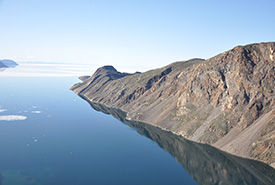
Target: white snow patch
<point>12,118</point>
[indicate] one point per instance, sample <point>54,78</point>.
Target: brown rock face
<point>227,101</point>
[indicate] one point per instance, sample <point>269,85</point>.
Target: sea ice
<point>36,112</point>
<point>12,118</point>
<point>3,110</point>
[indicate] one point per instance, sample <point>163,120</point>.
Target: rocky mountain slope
<point>227,101</point>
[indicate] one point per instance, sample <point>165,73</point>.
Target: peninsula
<point>227,101</point>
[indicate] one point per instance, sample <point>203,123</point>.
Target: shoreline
<point>272,165</point>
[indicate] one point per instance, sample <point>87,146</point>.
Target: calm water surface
<point>50,136</point>
<point>64,141</point>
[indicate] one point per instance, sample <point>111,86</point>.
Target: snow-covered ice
<point>12,118</point>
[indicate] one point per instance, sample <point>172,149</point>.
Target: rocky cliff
<point>227,101</point>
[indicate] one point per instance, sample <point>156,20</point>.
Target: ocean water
<point>60,139</point>
<point>51,136</point>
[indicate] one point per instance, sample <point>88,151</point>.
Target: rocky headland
<point>227,101</point>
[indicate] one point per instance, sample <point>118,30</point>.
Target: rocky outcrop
<point>227,101</point>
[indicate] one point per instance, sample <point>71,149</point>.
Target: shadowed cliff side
<point>227,101</point>
<point>205,164</point>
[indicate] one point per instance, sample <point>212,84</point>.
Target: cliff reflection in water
<point>204,163</point>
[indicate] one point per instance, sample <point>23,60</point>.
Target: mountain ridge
<point>226,101</point>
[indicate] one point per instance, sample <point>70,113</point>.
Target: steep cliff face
<point>227,101</point>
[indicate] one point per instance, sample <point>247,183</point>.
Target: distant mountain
<point>2,65</point>
<point>7,63</point>
<point>227,101</point>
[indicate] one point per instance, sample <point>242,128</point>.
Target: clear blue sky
<point>148,33</point>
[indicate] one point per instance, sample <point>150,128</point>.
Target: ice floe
<point>36,112</point>
<point>12,118</point>
<point>3,110</point>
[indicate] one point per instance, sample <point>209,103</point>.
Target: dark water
<point>65,141</point>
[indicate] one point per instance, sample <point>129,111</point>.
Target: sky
<point>140,34</point>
